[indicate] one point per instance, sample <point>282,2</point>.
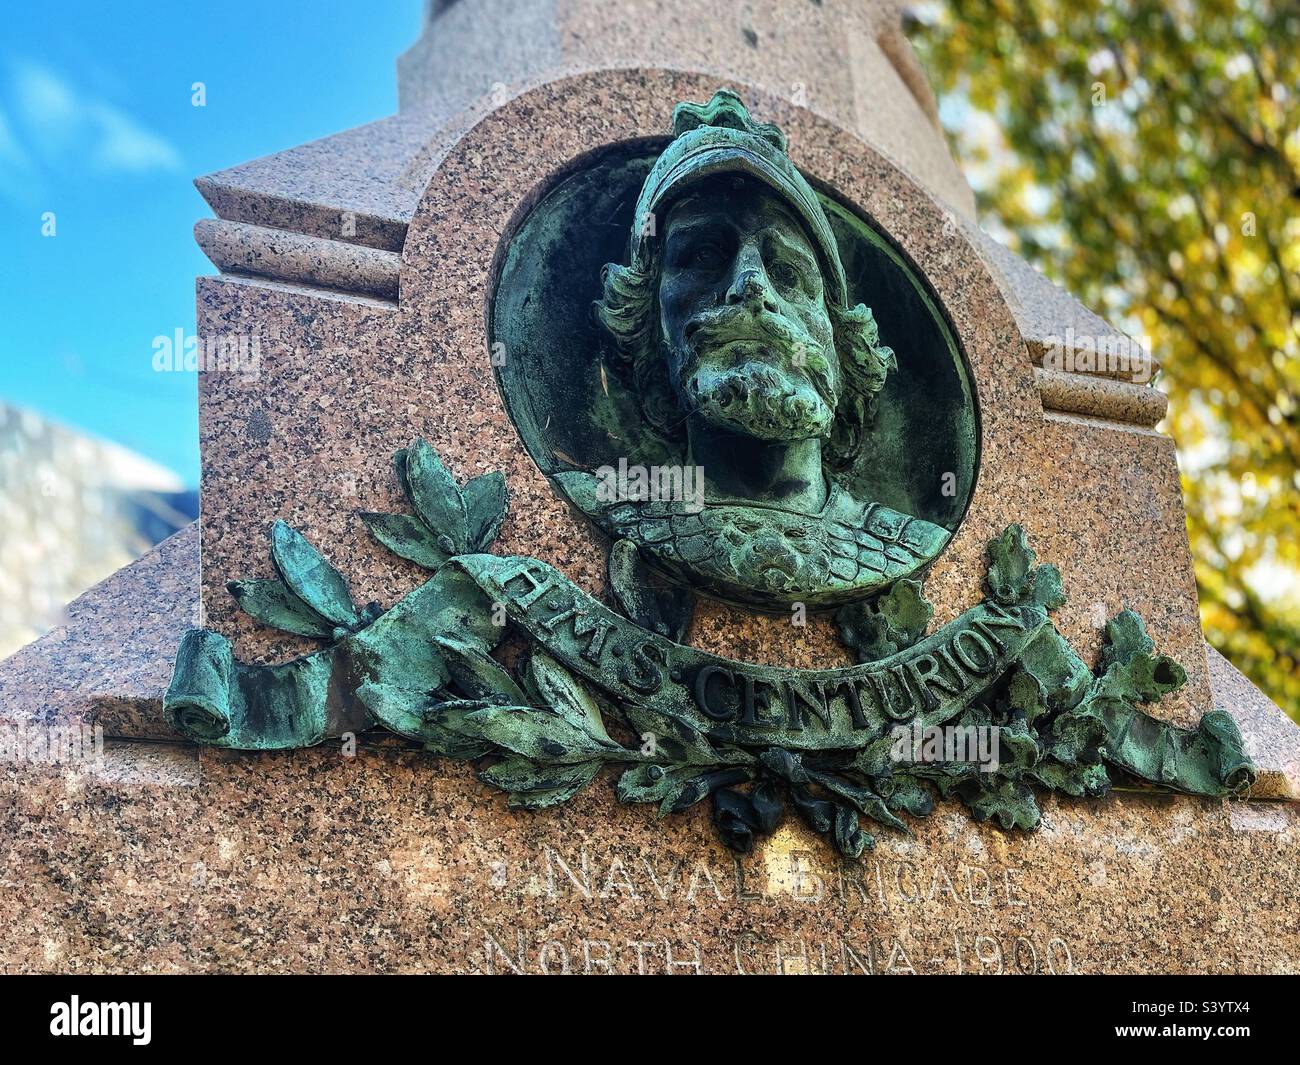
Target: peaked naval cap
<point>720,137</point>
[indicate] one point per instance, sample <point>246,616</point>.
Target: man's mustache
<point>786,337</point>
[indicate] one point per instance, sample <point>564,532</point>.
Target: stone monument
<point>643,421</point>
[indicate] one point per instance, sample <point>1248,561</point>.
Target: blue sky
<point>97,126</point>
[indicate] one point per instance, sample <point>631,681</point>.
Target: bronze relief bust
<point>731,324</point>
<point>723,407</point>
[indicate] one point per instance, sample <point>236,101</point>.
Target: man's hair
<point>627,311</point>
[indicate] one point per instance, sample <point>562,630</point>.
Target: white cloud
<point>66,126</point>
<point>43,92</point>
<point>15,164</point>
<point>48,107</point>
<point>126,145</point>
<point>11,152</point>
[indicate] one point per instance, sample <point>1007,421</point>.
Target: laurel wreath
<point>541,735</point>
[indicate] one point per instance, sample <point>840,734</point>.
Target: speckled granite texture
<point>161,857</point>
<point>1046,313</point>
<point>848,62</point>
<point>344,383</point>
<point>111,662</point>
<point>1271,738</point>
<point>1096,396</point>
<point>165,858</point>
<point>183,861</point>
<point>261,251</point>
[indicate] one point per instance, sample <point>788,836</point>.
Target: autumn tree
<point>1146,155</point>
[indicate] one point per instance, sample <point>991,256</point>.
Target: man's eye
<point>783,274</point>
<point>707,255</point>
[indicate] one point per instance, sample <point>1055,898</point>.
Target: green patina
<point>597,687</point>
<point>734,339</point>
<point>735,343</point>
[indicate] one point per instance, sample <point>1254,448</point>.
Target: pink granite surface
<point>162,857</point>
<point>110,663</point>
<point>180,860</point>
<point>345,381</point>
<point>848,62</point>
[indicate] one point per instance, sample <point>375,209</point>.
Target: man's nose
<point>751,287</point>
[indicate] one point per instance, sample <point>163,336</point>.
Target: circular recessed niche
<point>915,469</point>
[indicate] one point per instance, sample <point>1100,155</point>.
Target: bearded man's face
<point>743,321</point>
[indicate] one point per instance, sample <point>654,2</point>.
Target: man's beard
<point>762,376</point>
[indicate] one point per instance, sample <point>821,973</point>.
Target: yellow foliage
<point>1149,160</point>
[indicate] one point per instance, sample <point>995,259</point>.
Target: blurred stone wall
<point>73,510</point>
